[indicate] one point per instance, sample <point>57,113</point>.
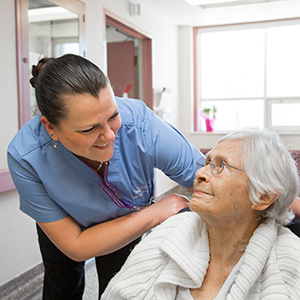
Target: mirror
<point>53,32</point>
<point>45,28</point>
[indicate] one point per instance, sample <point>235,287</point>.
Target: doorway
<point>129,59</point>
<point>124,63</point>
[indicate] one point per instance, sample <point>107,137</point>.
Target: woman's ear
<point>49,127</point>
<point>265,201</point>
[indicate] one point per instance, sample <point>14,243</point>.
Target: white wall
<point>8,81</point>
<point>19,250</point>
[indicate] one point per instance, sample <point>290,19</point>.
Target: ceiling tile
<point>180,13</point>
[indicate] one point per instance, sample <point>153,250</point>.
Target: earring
<point>55,144</point>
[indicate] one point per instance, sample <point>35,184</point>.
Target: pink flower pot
<point>210,124</point>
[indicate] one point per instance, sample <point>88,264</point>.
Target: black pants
<point>64,277</point>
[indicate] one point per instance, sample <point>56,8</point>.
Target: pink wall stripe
<point>6,183</point>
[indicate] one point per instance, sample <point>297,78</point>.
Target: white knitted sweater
<point>176,253</point>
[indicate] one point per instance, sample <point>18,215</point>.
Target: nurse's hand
<point>169,206</point>
<point>111,235</point>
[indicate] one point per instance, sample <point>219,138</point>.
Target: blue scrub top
<point>54,183</point>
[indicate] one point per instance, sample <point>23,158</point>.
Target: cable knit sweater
<point>177,253</point>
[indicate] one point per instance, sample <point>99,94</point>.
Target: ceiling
<point>180,13</point>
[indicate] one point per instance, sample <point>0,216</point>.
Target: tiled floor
<point>28,286</point>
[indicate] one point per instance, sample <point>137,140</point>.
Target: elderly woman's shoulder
<point>180,221</point>
<point>288,244</point>
<point>288,259</point>
<point>286,236</point>
<point>185,216</point>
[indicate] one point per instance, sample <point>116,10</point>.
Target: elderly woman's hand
<point>169,206</point>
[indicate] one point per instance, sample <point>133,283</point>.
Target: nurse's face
<point>91,125</point>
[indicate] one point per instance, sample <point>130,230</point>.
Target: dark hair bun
<point>33,80</point>
<point>36,70</point>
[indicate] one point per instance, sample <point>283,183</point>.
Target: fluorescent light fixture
<point>219,3</point>
<point>208,2</point>
<point>50,14</point>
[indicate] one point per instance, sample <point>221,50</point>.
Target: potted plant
<point>209,114</point>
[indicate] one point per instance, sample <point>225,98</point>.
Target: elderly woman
<point>233,244</point>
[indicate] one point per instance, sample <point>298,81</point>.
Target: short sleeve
<point>170,151</point>
<point>34,200</point>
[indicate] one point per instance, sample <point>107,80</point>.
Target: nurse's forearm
<point>112,235</point>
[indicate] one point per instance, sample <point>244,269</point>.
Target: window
<point>251,74</point>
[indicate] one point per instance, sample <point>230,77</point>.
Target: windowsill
<point>211,133</point>
<point>226,132</point>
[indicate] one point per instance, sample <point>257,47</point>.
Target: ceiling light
<point>219,3</point>
<point>50,14</point>
<point>207,2</point>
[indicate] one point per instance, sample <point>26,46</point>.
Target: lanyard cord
<point>113,194</point>
<point>111,191</point>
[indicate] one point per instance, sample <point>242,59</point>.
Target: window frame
<point>267,100</point>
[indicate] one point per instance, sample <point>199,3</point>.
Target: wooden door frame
<point>128,28</point>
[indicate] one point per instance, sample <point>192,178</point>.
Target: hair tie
<point>41,69</point>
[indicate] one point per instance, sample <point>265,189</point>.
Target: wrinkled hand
<point>169,206</point>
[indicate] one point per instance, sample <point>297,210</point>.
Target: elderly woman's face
<point>222,196</point>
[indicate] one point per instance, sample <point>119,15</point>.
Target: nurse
<point>84,170</point>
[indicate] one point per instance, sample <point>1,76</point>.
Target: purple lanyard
<point>111,191</point>
<point>113,194</point>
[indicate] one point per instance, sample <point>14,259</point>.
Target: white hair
<point>270,169</point>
